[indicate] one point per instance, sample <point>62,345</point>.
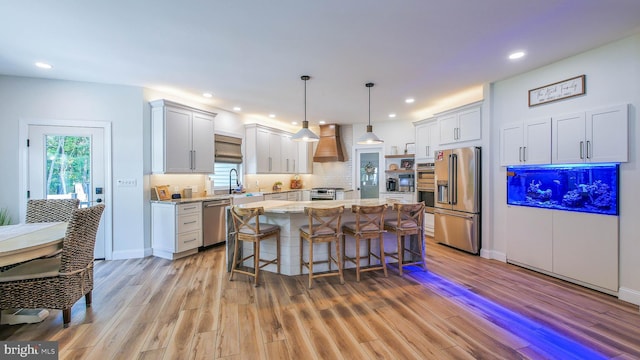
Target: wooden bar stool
<point>323,227</point>
<point>369,225</point>
<point>409,221</point>
<point>246,223</point>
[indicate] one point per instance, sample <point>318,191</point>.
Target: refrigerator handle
<point>454,179</point>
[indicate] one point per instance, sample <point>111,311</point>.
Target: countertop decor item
<point>163,192</point>
<point>557,91</point>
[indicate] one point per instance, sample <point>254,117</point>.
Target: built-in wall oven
<point>426,184</point>
<point>325,193</point>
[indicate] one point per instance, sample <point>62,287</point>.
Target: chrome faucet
<point>237,182</point>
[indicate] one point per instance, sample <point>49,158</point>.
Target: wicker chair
<point>58,282</point>
<point>50,210</point>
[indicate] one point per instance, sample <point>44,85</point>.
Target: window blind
<point>228,149</point>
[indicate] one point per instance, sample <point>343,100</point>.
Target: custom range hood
<point>330,145</point>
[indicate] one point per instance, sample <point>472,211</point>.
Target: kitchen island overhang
<point>289,215</point>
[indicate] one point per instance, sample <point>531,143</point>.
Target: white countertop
<point>297,207</point>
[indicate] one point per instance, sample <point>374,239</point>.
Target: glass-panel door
<point>369,184</point>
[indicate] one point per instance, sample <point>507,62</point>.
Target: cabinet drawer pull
<point>190,240</point>
<point>524,154</point>
<point>189,208</point>
<point>190,222</point>
<point>581,149</point>
<point>588,149</point>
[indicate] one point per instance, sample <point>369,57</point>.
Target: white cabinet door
<point>469,125</point>
<point>448,128</point>
<point>177,146</point>
<point>289,155</point>
<point>585,248</point>
<point>568,144</point>
<point>607,135</point>
<point>275,153</point>
<point>537,141</point>
<point>305,163</point>
<point>262,151</point>
<point>530,237</point>
<point>203,143</point>
<point>511,144</point>
<point>427,138</point>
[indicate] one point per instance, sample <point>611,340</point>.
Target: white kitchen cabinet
<point>176,229</point>
<point>182,139</point>
<point>293,196</point>
<point>585,248</point>
<point>271,151</point>
<point>595,136</point>
<point>463,124</point>
<point>276,196</point>
<point>530,237</point>
<point>403,197</point>
<point>427,139</point>
<point>289,155</point>
<point>305,160</point>
<point>526,142</point>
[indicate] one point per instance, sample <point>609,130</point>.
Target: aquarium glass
<point>589,188</point>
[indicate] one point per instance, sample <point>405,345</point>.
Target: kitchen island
<point>289,215</point>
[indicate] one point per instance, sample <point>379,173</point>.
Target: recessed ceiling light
<point>322,122</point>
<point>42,65</point>
<point>516,55</point>
<point>237,108</point>
<point>392,115</point>
<point>294,123</point>
<point>272,115</point>
<point>409,100</point>
<point>207,95</point>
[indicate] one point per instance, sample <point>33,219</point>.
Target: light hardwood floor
<point>462,307</point>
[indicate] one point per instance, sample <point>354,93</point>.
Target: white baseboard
<point>493,254</point>
<point>130,254</point>
<point>629,295</point>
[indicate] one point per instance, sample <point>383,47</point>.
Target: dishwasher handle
<point>208,204</point>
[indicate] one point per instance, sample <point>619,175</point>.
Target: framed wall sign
<point>558,91</point>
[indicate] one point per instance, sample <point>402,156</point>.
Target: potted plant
<point>5,218</point>
<point>277,186</point>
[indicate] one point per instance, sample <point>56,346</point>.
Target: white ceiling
<point>251,53</point>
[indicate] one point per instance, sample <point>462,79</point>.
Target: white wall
<point>612,77</point>
<point>29,98</point>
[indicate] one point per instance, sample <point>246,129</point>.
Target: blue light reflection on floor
<point>537,335</point>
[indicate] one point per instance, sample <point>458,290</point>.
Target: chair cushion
<point>405,224</point>
<point>319,231</point>
<point>35,269</point>
<point>264,229</point>
<point>351,225</point>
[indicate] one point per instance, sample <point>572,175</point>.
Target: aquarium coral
<point>534,191</point>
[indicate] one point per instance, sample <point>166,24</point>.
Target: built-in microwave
<point>405,182</point>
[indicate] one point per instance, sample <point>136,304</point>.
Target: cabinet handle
<point>269,163</point>
<point>524,154</point>
<point>189,208</point>
<point>588,149</point>
<point>581,149</point>
<point>294,165</point>
<point>520,154</point>
<point>287,165</point>
<point>190,240</point>
<point>190,222</point>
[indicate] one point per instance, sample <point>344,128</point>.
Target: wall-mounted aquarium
<point>591,188</point>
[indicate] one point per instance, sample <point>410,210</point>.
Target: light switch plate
<point>126,182</point>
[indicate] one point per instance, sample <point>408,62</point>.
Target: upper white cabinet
<point>595,136</point>
<point>526,142</point>
<point>271,151</point>
<point>463,124</point>
<point>182,138</point>
<point>427,139</point>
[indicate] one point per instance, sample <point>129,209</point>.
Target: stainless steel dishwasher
<point>214,227</point>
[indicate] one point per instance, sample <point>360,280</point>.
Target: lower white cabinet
<point>574,246</point>
<point>276,196</point>
<point>530,237</point>
<point>403,197</point>
<point>176,229</point>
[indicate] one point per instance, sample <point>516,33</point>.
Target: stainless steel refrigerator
<point>457,198</point>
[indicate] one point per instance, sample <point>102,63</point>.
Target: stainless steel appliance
<point>392,184</point>
<point>426,184</point>
<point>324,193</point>
<point>214,227</point>
<point>405,182</point>
<point>457,198</point>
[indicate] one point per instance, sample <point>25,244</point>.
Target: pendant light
<point>369,137</point>
<point>305,134</point>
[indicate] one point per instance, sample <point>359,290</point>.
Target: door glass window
<point>68,168</point>
<point>369,175</point>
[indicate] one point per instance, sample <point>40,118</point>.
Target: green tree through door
<point>68,166</point>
